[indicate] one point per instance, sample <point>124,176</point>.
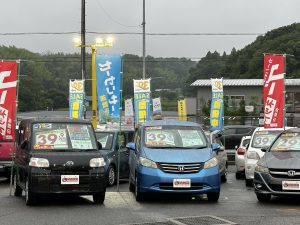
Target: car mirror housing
<point>215,147</point>
<point>131,146</point>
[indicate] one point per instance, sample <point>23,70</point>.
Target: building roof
<point>243,82</point>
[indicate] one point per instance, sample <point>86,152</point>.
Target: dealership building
<point>249,90</point>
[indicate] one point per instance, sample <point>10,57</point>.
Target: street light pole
<point>144,41</point>
<point>94,91</point>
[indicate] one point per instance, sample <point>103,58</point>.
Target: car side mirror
<point>264,149</point>
<point>247,146</point>
<point>131,146</point>
<point>99,145</point>
<point>215,147</point>
<point>219,135</point>
<point>24,144</point>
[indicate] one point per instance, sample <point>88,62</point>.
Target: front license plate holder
<point>291,185</point>
<point>181,183</point>
<point>69,179</point>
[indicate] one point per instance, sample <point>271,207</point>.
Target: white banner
<point>156,106</point>
<point>217,84</point>
<point>129,111</point>
<point>141,85</point>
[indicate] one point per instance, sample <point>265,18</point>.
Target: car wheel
<point>111,176</point>
<point>213,197</point>
<point>139,196</point>
<point>263,197</point>
<point>131,185</point>
<point>248,182</point>
<point>224,178</point>
<point>99,198</point>
<point>29,196</point>
<point>17,189</point>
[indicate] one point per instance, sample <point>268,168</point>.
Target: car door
<point>134,155</point>
<point>121,146</point>
<point>221,154</point>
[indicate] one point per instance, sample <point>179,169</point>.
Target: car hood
<point>178,155</point>
<point>283,160</point>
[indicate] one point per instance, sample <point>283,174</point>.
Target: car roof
<point>292,130</point>
<point>170,123</point>
<point>239,126</point>
<point>268,129</point>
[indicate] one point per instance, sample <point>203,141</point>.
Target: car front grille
<point>181,167</point>
<point>169,186</point>
<point>285,173</point>
<point>73,171</point>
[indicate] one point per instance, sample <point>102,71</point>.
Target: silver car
<point>221,155</point>
<point>240,157</point>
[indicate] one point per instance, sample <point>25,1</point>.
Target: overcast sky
<point>162,16</point>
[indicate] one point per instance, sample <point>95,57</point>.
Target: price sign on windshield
<point>159,137</point>
<point>54,138</point>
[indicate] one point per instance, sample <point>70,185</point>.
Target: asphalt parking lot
<point>237,205</point>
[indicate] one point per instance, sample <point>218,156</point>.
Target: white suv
<point>261,137</point>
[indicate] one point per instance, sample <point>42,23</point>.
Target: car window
<point>106,139</point>
<point>264,138</point>
<point>174,136</point>
<point>245,142</point>
<point>229,131</point>
<point>67,136</point>
<point>287,142</point>
<point>244,131</point>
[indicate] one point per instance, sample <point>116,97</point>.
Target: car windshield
<point>174,137</point>
<point>63,136</point>
<point>106,139</point>
<point>287,142</point>
<point>264,138</point>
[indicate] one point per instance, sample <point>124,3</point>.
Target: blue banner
<point>217,105</point>
<point>76,99</point>
<point>108,73</point>
<point>142,97</point>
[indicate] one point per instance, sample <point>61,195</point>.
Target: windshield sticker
<point>153,128</point>
<point>80,137</point>
<point>287,143</point>
<point>290,135</point>
<point>37,146</point>
<point>190,138</point>
<point>261,132</point>
<point>39,126</point>
<point>262,140</point>
<point>54,138</point>
<point>159,138</point>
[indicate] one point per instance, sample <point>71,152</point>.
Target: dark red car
<point>6,152</point>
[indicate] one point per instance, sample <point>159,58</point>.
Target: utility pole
<point>83,39</point>
<point>144,41</point>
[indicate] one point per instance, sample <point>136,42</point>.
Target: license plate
<point>181,183</point>
<point>290,185</point>
<point>69,179</point>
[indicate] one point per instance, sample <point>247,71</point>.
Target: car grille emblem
<point>291,173</point>
<point>69,163</point>
<point>181,168</point>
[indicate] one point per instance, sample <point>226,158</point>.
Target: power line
<point>131,33</point>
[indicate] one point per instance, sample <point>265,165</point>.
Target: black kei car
<point>58,156</point>
<point>114,141</point>
<point>278,171</point>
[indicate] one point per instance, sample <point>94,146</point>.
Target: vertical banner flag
<point>217,105</point>
<point>108,72</point>
<point>274,91</point>
<point>129,111</point>
<point>8,93</point>
<point>141,100</point>
<point>182,110</point>
<point>76,99</point>
<point>156,104</point>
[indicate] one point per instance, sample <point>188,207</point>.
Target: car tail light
<point>240,151</point>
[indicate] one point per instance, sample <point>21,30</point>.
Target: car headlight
<point>97,162</point>
<point>253,155</point>
<point>211,163</point>
<point>261,169</point>
<point>39,162</point>
<point>147,163</point>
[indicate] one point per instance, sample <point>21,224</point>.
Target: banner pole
<point>16,121</point>
<point>120,124</point>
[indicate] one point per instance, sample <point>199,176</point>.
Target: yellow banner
<point>182,110</point>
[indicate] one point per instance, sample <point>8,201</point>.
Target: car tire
<point>30,198</point>
<point>263,197</point>
<point>131,185</point>
<point>213,197</point>
<point>248,182</point>
<point>17,189</point>
<point>224,178</point>
<point>139,196</point>
<point>111,176</point>
<point>99,198</point>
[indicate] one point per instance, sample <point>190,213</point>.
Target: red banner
<point>273,91</point>
<point>8,93</point>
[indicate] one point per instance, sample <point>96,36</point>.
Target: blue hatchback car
<point>171,156</point>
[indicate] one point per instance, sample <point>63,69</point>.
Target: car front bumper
<point>265,183</point>
<point>5,166</point>
<point>41,182</point>
<point>155,180</point>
